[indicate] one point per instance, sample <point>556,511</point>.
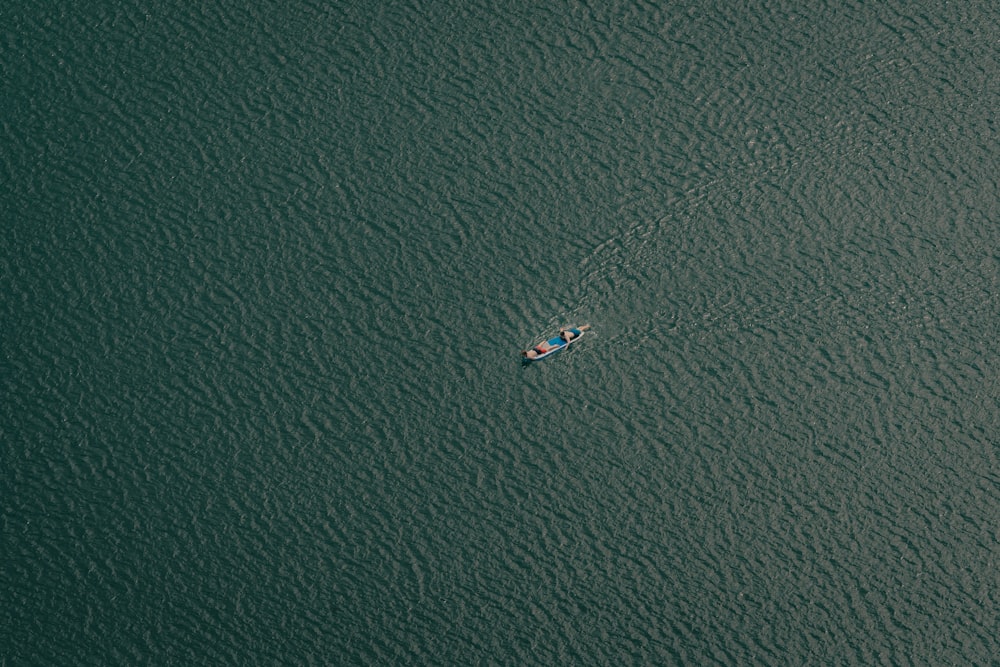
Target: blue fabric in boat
<point>559,342</point>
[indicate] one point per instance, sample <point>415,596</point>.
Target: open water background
<point>267,266</point>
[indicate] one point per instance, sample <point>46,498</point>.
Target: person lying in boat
<point>534,352</point>
<point>566,335</point>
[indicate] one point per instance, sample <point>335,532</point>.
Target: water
<point>267,270</point>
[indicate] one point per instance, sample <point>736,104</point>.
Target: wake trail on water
<point>626,278</point>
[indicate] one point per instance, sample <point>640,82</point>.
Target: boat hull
<point>555,344</point>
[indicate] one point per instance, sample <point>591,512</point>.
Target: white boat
<point>566,337</point>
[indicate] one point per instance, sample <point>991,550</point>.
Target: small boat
<point>567,336</point>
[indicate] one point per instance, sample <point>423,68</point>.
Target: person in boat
<point>566,335</point>
<point>534,352</point>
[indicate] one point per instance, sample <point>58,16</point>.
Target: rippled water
<point>268,267</point>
